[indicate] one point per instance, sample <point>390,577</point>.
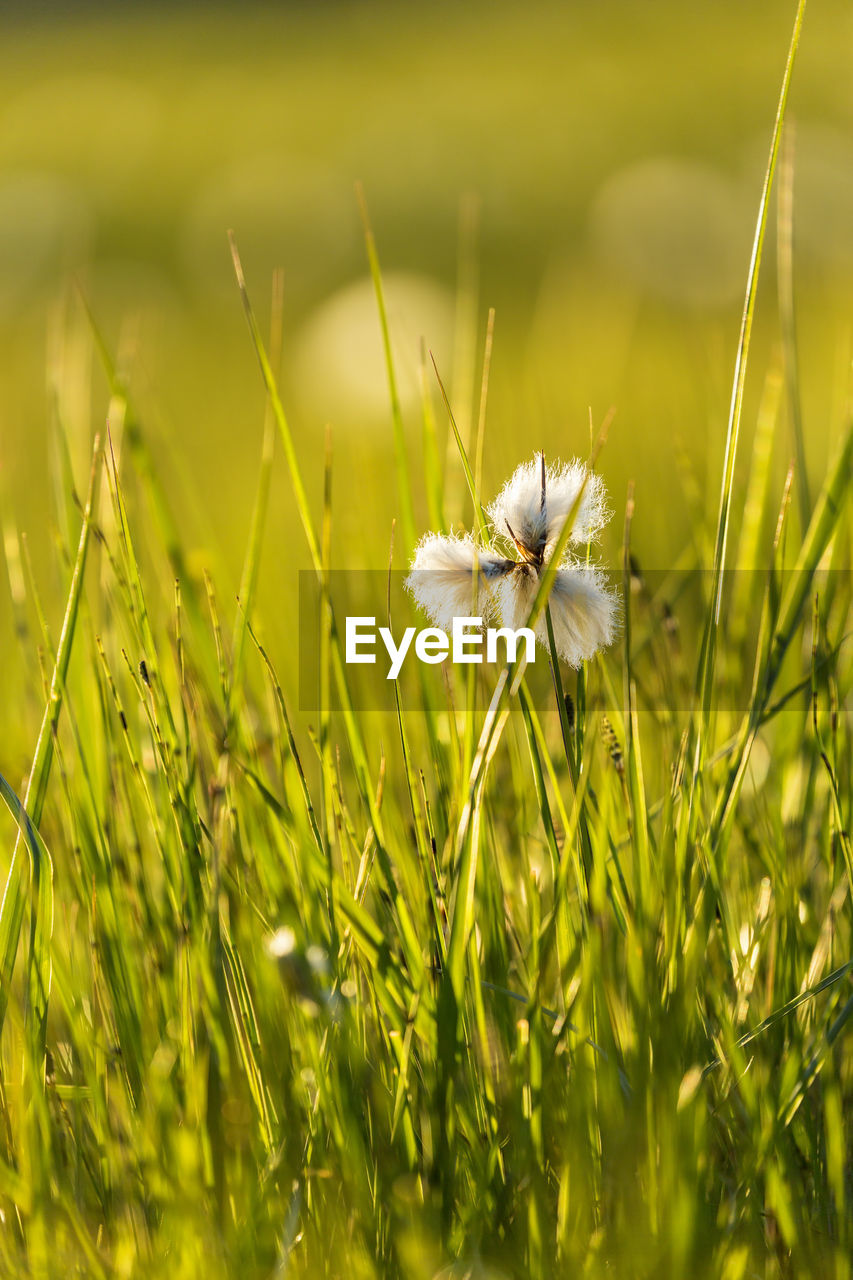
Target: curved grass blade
<point>41,865</point>
<point>786,1009</point>
<point>14,894</point>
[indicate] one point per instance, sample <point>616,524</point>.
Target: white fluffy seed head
<point>584,610</point>
<point>584,613</point>
<point>518,511</point>
<point>451,577</point>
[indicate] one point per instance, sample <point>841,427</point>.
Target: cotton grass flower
<point>454,577</point>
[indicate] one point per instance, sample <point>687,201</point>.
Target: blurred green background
<point>591,170</point>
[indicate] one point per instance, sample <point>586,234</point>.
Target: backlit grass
<point>521,978</point>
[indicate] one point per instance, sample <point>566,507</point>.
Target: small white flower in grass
<point>450,575</point>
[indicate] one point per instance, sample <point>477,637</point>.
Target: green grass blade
<point>251,564</point>
<point>14,894</point>
<point>122,407</point>
<point>484,395</point>
<point>828,512</point>
<point>277,407</point>
<point>479,518</point>
<point>41,868</point>
<point>705,674</point>
<point>787,316</point>
<point>407,510</point>
<point>433,479</point>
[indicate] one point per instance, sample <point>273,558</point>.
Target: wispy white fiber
<point>451,577</point>
<point>514,596</point>
<point>519,512</point>
<point>584,613</point>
